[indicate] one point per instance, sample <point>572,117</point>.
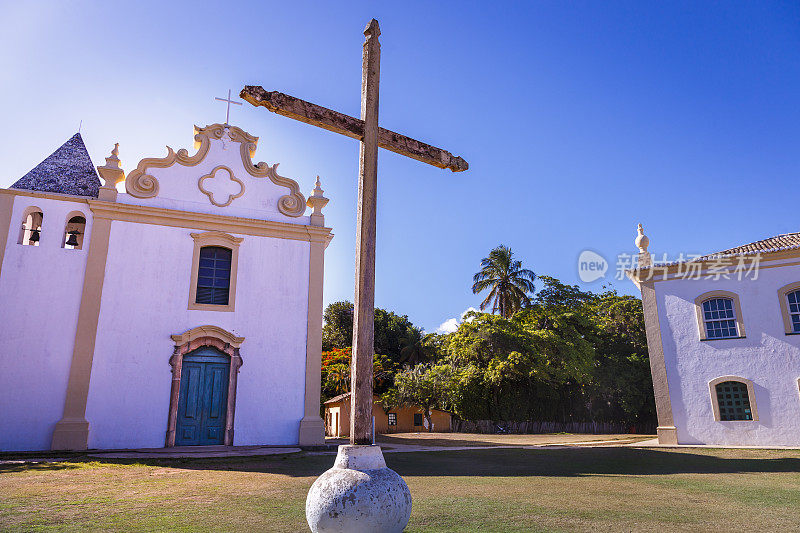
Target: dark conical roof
<point>68,170</point>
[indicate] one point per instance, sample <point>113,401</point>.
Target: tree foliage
<point>427,386</point>
<point>397,340</point>
<point>571,355</point>
<point>564,354</point>
<point>417,347</point>
<point>519,367</point>
<point>395,335</point>
<point>336,372</point>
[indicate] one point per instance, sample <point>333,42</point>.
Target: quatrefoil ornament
<point>218,186</point>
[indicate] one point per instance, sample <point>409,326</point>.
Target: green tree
<point>508,283</point>
<point>556,294</point>
<point>389,400</point>
<point>564,355</point>
<point>390,329</point>
<point>416,347</point>
<point>337,330</point>
<point>515,368</point>
<point>383,370</point>
<point>621,387</point>
<point>426,386</point>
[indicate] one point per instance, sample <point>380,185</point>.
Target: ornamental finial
<point>112,174</point>
<point>317,201</point>
<point>642,241</point>
<point>113,161</point>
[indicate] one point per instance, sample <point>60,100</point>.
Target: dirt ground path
<point>468,440</point>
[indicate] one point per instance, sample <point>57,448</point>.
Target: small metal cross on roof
<point>228,111</point>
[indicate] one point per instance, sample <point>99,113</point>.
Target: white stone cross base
<point>358,495</point>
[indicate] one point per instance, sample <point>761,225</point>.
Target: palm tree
<point>339,377</point>
<point>510,284</point>
<point>414,346</point>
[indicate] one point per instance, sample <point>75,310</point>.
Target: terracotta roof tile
<point>787,241</point>
<point>778,243</point>
<point>338,398</point>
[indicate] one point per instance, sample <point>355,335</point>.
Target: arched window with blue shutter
<point>214,275</point>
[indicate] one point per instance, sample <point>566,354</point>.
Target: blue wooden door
<point>203,399</point>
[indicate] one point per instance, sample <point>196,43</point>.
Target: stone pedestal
<point>312,431</point>
<point>667,434</point>
<point>70,434</point>
<point>358,495</point>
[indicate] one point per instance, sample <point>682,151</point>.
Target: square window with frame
<point>720,318</point>
<point>392,419</point>
<point>213,275</point>
<point>417,419</point>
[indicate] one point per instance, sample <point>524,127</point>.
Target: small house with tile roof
<point>176,304</point>
<point>399,419</point>
<point>723,334</point>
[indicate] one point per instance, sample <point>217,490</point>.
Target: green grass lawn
<point>574,489</point>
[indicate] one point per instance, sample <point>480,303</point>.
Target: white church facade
<point>185,311</point>
<point>723,334</point>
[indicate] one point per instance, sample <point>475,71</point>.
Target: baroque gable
<point>220,175</point>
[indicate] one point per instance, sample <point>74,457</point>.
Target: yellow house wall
<point>337,420</point>
<point>405,419</point>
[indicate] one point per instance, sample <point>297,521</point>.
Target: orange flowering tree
<point>336,372</point>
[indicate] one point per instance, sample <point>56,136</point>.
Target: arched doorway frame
<point>186,342</point>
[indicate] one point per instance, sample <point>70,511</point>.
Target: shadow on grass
<point>41,466</point>
<point>566,462</point>
<point>494,440</point>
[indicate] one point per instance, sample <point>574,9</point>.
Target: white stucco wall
<point>767,356</point>
<point>145,299</point>
<point>40,291</point>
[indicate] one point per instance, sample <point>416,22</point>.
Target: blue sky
<point>578,119</point>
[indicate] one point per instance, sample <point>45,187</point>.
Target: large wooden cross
<point>371,136</point>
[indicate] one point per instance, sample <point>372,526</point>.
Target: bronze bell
<point>34,235</point>
<point>73,238</point>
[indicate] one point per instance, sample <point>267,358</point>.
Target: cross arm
<point>331,120</point>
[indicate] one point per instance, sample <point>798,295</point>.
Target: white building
<point>723,332</point>
<point>185,311</point>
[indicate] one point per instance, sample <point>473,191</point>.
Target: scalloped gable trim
<point>143,185</point>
